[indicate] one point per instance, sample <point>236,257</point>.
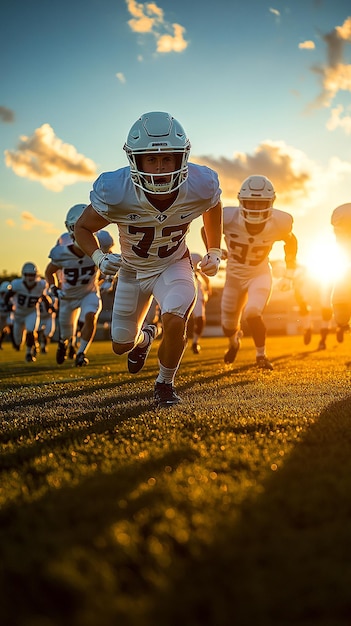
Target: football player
<point>302,290</point>
<point>27,292</point>
<point>341,295</point>
<point>153,202</point>
<point>6,306</point>
<point>197,319</point>
<point>73,277</point>
<point>47,324</point>
<point>250,230</point>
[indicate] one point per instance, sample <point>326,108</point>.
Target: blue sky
<point>260,87</point>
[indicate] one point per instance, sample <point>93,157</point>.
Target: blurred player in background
<point>27,292</point>
<point>303,288</point>
<point>341,296</point>
<point>73,278</point>
<point>197,320</point>
<point>250,230</point>
<point>47,324</point>
<point>6,318</point>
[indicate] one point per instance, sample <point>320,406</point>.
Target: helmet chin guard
<point>157,132</point>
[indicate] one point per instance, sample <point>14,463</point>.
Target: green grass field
<point>231,509</point>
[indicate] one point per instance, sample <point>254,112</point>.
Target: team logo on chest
<point>161,218</point>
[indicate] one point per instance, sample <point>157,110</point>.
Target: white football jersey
<point>248,255</point>
<point>78,276</point>
<point>26,299</point>
<point>150,239</point>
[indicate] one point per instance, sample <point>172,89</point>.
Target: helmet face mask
<point>72,216</point>
<point>157,133</point>
<point>256,197</point>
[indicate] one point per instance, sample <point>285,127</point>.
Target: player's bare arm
<point>213,226</point>
<point>290,251</point>
<point>87,224</point>
<point>51,274</point>
<point>213,232</point>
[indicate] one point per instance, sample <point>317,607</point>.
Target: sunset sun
<point>325,261</point>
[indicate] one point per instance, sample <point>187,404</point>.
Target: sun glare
<point>325,261</point>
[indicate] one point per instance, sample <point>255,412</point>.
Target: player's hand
<point>53,292</point>
<point>108,264</point>
<point>210,262</point>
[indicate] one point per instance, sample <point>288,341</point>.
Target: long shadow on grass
<point>74,525</point>
<point>288,561</point>
<point>280,559</point>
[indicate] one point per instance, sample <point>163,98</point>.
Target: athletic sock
<point>166,374</point>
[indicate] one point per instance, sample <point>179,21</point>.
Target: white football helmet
<point>341,220</point>
<point>105,240</point>
<point>73,214</point>
<point>256,197</point>
<point>64,239</point>
<point>157,132</point>
<point>5,286</point>
<point>29,273</point>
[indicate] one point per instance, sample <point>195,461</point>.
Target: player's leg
<point>259,291</point>
<point>234,298</point>
<point>175,292</point>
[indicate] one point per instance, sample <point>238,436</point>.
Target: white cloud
<point>307,45</point>
<point>121,77</point>
<point>337,120</point>
<point>45,158</point>
<point>148,18</point>
<point>289,169</point>
<point>175,43</point>
<point>344,31</point>
<point>29,222</point>
<point>335,74</point>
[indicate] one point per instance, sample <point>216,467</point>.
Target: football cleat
<point>71,352</point>
<point>138,356</point>
<point>195,348</point>
<point>61,352</point>
<point>307,336</point>
<point>81,360</point>
<point>165,395</point>
<point>322,345</point>
<point>30,358</point>
<point>230,355</point>
<point>340,330</point>
<point>263,363</point>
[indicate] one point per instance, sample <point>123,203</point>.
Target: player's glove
<point>286,282</point>
<point>210,262</point>
<point>53,291</point>
<point>109,263</point>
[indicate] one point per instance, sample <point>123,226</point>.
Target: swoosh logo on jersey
<point>182,217</point>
